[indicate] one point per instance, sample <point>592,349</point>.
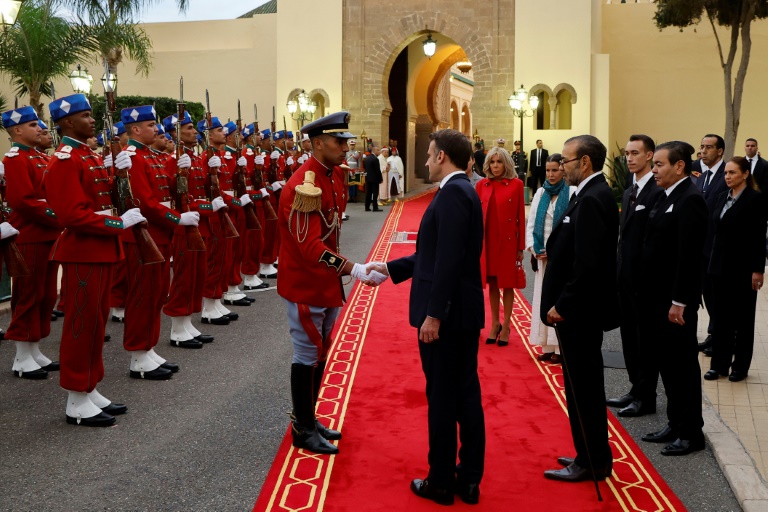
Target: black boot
<point>331,435</point>
<point>304,431</point>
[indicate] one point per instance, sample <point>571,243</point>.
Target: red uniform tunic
<point>310,266</point>
<point>148,285</point>
<point>77,187</point>
<point>254,237</point>
<point>235,246</point>
<point>504,222</point>
<point>32,297</point>
<point>271,246</point>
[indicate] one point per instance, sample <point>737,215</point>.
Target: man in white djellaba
<point>382,155</point>
<point>396,173</point>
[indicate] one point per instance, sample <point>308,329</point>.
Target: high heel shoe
<point>491,341</point>
<point>501,342</point>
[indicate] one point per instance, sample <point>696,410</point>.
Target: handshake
<point>371,274</point>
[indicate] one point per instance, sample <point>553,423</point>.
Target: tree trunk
<point>34,101</point>
<point>748,14</point>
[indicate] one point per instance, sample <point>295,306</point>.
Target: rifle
<point>272,172</point>
<point>287,153</point>
<point>122,195</point>
<point>238,179</point>
<point>15,265</point>
<point>213,174</point>
<point>195,241</point>
<point>258,181</point>
<point>52,129</point>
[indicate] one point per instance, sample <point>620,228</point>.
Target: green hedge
<point>164,107</point>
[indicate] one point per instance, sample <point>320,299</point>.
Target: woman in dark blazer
<point>501,196</point>
<point>736,265</point>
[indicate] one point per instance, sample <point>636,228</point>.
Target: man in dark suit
<point>758,165</point>
<point>712,185</point>
<point>579,296</point>
<point>479,157</point>
<point>637,203</point>
<point>446,305</point>
<point>670,294</point>
<point>373,179</point>
<point>538,166</point>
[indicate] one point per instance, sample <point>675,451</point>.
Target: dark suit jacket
<point>446,265</point>
<point>670,262</point>
<point>715,189</point>
<point>581,259</point>
<point>372,169</point>
<point>760,175</point>
<point>738,248</point>
<point>542,168</point>
<point>632,231</point>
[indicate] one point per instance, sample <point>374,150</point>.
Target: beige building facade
<point>597,67</point>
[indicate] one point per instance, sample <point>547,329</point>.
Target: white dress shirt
<point>581,185</point>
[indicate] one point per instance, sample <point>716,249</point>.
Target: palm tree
<point>114,26</point>
<point>41,46</point>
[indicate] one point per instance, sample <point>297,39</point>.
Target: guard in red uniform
<point>254,248</point>
<point>33,296</point>
<point>78,188</point>
<point>148,285</point>
<point>311,266</point>
<point>189,267</point>
<point>119,290</point>
<point>270,176</point>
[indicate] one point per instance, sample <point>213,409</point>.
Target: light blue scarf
<point>561,205</point>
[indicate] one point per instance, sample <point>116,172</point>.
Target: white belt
<point>104,212</point>
<point>249,187</point>
<point>167,204</point>
<point>230,193</point>
<point>42,200</point>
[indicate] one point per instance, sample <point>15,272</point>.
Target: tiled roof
<point>267,8</point>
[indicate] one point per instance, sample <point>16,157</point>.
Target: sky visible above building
<point>166,10</point>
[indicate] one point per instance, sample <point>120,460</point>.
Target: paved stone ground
<point>205,439</point>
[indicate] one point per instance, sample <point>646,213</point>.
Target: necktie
<point>538,158</point>
<point>750,164</point>
<point>633,195</point>
<point>707,175</point>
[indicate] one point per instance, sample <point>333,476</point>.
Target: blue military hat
<point>249,130</point>
<point>168,136</point>
<point>230,128</point>
<point>19,116</point>
<point>280,134</point>
<point>169,123</point>
<point>199,138</point>
<point>160,129</point>
<point>335,124</point>
<point>289,135</point>
<point>215,123</point>
<point>42,125</point>
<point>118,128</point>
<point>138,114</point>
<point>266,133</point>
<point>100,138</point>
<point>67,106</point>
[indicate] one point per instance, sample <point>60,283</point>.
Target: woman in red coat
<point>501,195</point>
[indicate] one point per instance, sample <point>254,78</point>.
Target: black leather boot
<point>304,430</point>
<point>331,435</point>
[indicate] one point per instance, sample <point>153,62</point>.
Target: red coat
<point>510,218</point>
<point>309,266</point>
<point>198,193</point>
<point>76,186</point>
<point>30,213</point>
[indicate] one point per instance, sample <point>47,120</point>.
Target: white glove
<point>184,162</point>
<point>189,219</point>
<point>132,217</point>
<point>123,160</point>
<point>2,170</point>
<point>366,275</point>
<point>303,158</point>
<point>214,161</point>
<point>264,192</point>
<point>108,161</point>
<point>245,199</point>
<point>6,230</point>
<point>274,155</point>
<point>258,160</point>
<point>218,203</point>
<point>242,161</point>
<point>377,277</point>
<point>276,186</point>
<point>289,161</point>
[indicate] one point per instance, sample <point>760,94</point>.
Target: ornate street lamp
<point>430,45</point>
<point>81,81</point>
<point>9,10</point>
<point>109,81</point>
<point>301,108</point>
<point>517,103</point>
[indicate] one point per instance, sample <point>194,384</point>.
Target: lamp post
<point>109,81</point>
<point>301,108</point>
<point>81,81</point>
<point>9,10</point>
<point>517,104</point>
<point>430,45</point>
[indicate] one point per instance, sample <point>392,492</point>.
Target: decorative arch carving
<point>536,89</point>
<point>445,66</point>
<point>321,92</point>
<point>565,87</point>
<point>293,94</point>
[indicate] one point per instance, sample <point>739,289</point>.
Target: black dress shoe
<point>378,210</point>
<point>32,374</point>
<point>257,287</point>
<point>239,302</point>
<point>100,420</point>
<point>367,209</point>
<point>115,409</point>
<point>158,373</point>
<point>683,447</point>
<point>546,356</point>
<point>118,319</point>
<point>468,493</point>
<point>312,440</point>
<point>706,343</point>
<point>638,408</point>
<point>327,433</point>
<point>269,276</point>
<point>54,318</point>
<point>107,337</point>
<point>737,376</point>
<point>665,435</point>
<point>222,320</point>
<point>250,299</point>
<point>566,461</point>
<point>440,495</point>
<point>204,338</point>
<point>193,343</point>
<point>53,366</point>
<point>622,401</point>
<point>232,316</point>
<point>575,473</point>
<point>58,312</point>
<point>713,375</point>
<point>709,351</point>
<point>173,367</point>
<point>2,334</point>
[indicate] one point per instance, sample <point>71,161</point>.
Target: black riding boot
<point>304,431</point>
<point>331,435</point>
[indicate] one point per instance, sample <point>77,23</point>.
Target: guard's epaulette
<point>131,150</point>
<point>308,198</point>
<point>14,151</point>
<point>249,151</point>
<point>228,155</point>
<point>61,155</point>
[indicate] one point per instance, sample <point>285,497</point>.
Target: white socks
<point>189,327</point>
<point>156,358</point>
<point>209,309</point>
<point>220,307</point>
<point>98,399</point>
<point>141,361</point>
<point>233,293</point>
<point>24,360</point>
<point>249,280</point>
<point>267,269</point>
<point>117,312</point>
<point>79,405</point>
<point>178,329</point>
<point>38,356</point>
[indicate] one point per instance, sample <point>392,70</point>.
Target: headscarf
<point>561,205</point>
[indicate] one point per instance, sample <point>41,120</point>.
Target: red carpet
<point>374,393</point>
